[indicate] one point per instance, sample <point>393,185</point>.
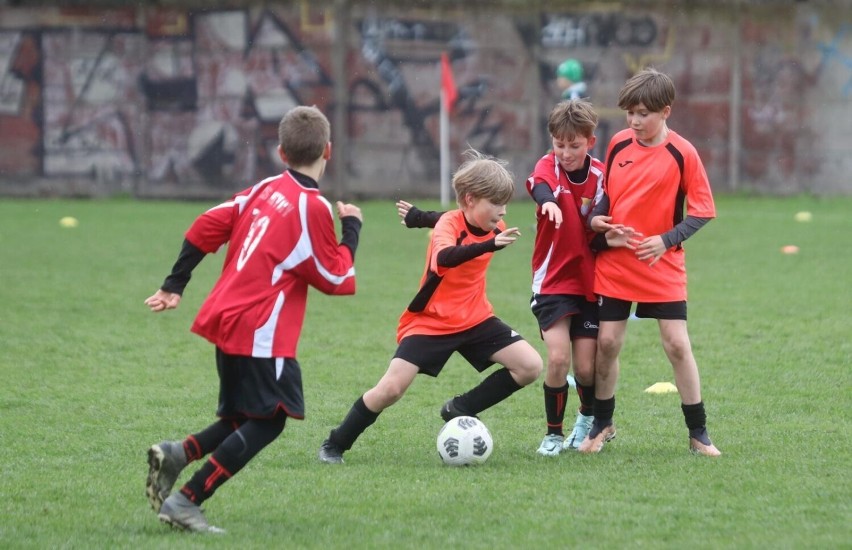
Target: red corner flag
<point>448,85</point>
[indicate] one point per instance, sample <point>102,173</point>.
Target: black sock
<point>205,442</point>
<point>604,408</point>
<point>232,455</point>
<point>587,399</point>
<point>555,400</point>
<point>696,420</point>
<point>358,419</point>
<point>495,388</point>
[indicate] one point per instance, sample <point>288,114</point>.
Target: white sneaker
<point>581,429</point>
<point>551,445</point>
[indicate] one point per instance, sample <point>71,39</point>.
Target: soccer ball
<point>464,441</point>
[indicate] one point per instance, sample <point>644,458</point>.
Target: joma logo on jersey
<point>625,163</point>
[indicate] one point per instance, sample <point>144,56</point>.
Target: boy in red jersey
<point>650,171</point>
<point>451,311</point>
<point>282,239</point>
<point>566,183</point>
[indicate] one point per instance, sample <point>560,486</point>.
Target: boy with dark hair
<point>281,239</point>
<point>451,311</point>
<point>650,171</point>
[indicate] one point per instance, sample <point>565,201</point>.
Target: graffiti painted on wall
<point>163,101</point>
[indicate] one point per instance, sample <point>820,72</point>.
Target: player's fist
<point>347,209</point>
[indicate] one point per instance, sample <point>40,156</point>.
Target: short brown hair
<point>572,118</point>
<point>303,134</point>
<point>483,177</point>
<point>651,88</point>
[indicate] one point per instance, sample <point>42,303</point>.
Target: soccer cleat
<point>166,460</point>
<point>594,442</point>
<point>181,513</point>
<point>551,445</point>
<point>330,453</point>
<point>700,444</point>
<point>581,429</point>
<point>450,410</point>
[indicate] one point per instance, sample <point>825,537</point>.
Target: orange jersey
<point>451,299</point>
<point>647,187</point>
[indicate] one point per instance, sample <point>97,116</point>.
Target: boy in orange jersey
<point>451,311</point>
<point>650,171</point>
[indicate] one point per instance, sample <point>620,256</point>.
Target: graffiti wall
<point>165,102</point>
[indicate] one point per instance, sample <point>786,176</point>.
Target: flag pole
<point>445,150</point>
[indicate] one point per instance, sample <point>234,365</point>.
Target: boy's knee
<point>529,371</point>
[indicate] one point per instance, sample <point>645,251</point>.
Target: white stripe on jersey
<point>303,249</point>
<point>263,335</point>
<point>541,272</point>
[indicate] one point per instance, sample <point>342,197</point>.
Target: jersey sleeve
<point>330,269</point>
<point>699,196</point>
<point>213,228</point>
<point>544,172</point>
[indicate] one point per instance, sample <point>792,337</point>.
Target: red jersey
<point>451,299</point>
<point>562,261</point>
<point>282,240</point>
<point>647,187</point>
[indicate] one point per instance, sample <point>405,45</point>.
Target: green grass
<point>91,379</point>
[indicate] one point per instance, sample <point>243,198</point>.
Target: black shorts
<point>549,308</point>
<point>476,344</point>
<point>613,309</point>
<point>258,387</point>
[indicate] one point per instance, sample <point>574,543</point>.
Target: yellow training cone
<point>661,387</point>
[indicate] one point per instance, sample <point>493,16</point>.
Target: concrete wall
<point>169,102</point>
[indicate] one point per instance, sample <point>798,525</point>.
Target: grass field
<point>91,379</point>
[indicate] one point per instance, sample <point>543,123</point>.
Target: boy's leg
<point>366,409</point>
<point>557,339</point>
<point>522,366</point>
<point>168,458</point>
<point>584,350</point>
<point>610,340</point>
<point>183,509</point>
<point>678,348</point>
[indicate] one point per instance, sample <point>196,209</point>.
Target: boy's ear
<point>327,153</point>
<point>591,141</point>
<point>282,156</point>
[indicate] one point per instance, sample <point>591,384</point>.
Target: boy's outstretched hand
<point>347,209</point>
<point>507,237</point>
<point>162,300</point>
<point>402,209</point>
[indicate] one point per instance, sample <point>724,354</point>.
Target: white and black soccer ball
<point>464,441</point>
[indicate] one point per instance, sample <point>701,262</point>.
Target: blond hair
<point>483,177</point>
<point>651,88</point>
<point>572,118</point>
<point>303,134</point>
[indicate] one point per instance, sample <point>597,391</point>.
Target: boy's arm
<point>169,294</point>
<point>546,200</point>
<point>453,256</point>
<point>331,270</point>
<point>413,217</point>
<point>684,230</point>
